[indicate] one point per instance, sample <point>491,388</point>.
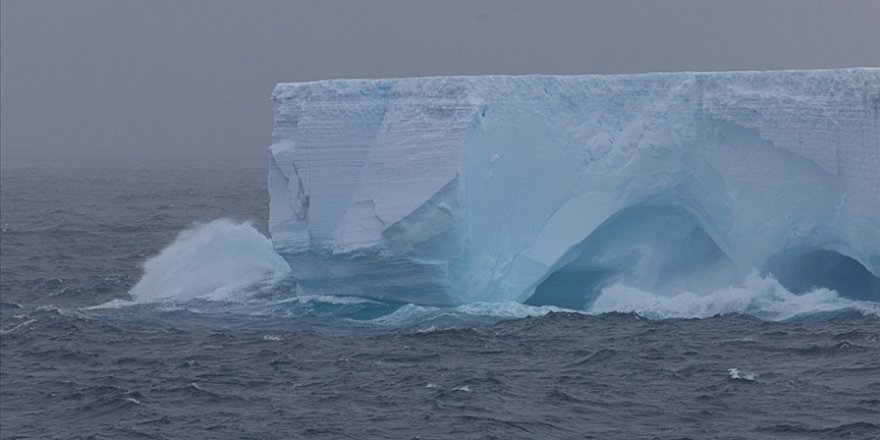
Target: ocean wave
<point>229,267</point>
<point>214,260</point>
<point>759,296</point>
<point>412,314</point>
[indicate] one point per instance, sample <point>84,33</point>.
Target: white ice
<point>548,189</point>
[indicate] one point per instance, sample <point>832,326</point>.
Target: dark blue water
<point>254,360</point>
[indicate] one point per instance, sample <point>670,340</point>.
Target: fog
<point>149,82</point>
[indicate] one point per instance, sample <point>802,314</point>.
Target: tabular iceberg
<point>544,189</point>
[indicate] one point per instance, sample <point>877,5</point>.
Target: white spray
<point>212,260</point>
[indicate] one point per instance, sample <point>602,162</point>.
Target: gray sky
<point>172,80</point>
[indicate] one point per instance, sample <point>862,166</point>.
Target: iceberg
<point>547,189</point>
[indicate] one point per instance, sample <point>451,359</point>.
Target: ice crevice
<point>547,189</point>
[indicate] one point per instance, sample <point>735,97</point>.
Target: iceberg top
<point>538,188</point>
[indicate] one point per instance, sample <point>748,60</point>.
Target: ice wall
<point>545,188</point>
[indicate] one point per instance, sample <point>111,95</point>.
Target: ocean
<point>216,343</point>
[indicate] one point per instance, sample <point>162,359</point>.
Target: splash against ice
<point>228,261</point>
<point>762,297</point>
<point>215,259</point>
<point>668,195</point>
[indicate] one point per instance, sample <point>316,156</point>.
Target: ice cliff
<point>544,189</point>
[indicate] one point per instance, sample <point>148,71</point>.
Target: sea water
<point>148,303</point>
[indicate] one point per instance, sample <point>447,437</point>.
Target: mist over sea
<point>130,311</point>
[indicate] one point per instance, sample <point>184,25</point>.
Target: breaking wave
<point>759,296</point>
<point>228,267</point>
<point>439,317</point>
<point>214,260</point>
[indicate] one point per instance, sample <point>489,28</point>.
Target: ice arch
<point>660,248</point>
<point>803,269</point>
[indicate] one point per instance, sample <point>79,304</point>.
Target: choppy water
<point>214,343</point>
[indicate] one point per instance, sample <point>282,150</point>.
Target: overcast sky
<point>158,81</point>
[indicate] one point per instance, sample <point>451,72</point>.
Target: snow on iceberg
<point>546,189</point>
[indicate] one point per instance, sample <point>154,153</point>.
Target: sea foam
<point>234,264</point>
<point>215,260</point>
<point>759,296</point>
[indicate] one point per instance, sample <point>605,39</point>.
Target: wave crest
<point>759,296</point>
<point>215,259</point>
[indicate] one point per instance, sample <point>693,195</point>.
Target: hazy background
<point>150,82</point>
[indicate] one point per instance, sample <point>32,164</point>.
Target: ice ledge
<point>477,188</point>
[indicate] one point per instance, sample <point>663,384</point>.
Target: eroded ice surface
<point>547,188</point>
